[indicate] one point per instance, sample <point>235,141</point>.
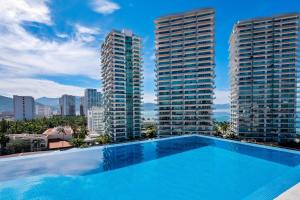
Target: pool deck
<point>291,194</point>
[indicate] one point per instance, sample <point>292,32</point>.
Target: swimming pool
<point>186,167</point>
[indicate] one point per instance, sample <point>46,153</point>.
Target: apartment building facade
<point>67,105</point>
<point>185,72</point>
<point>264,69</point>
<point>121,63</point>
<point>91,98</point>
<point>24,107</point>
<point>95,120</point>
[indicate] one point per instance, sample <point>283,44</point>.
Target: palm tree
<point>83,131</point>
<point>222,128</point>
<point>104,139</point>
<point>4,126</point>
<point>61,131</point>
<point>77,142</point>
<point>3,141</point>
<point>150,132</point>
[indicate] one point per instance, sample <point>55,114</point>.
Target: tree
<point>38,126</point>
<point>150,132</point>
<point>223,129</point>
<point>82,132</point>
<point>103,139</point>
<point>77,142</point>
<point>4,126</point>
<point>3,141</point>
<point>18,146</point>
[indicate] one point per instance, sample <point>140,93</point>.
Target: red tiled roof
<point>57,144</point>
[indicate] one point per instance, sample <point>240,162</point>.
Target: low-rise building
<point>29,142</point>
<point>60,132</point>
<point>59,137</point>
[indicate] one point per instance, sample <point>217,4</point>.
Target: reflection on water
<point>95,160</point>
<point>169,147</point>
<point>122,156</point>
<point>55,164</point>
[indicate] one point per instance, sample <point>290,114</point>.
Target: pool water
<point>189,167</point>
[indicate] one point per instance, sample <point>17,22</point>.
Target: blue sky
<point>48,48</point>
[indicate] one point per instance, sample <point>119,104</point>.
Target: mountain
<point>6,104</point>
<point>54,102</point>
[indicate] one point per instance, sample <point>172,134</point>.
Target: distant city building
<point>67,105</point>
<point>91,98</point>
<point>185,62</point>
<point>24,107</point>
<point>95,119</point>
<point>264,67</point>
<point>43,110</point>
<point>81,108</point>
<point>122,83</point>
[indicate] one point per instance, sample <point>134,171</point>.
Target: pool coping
<point>146,141</point>
<point>290,194</point>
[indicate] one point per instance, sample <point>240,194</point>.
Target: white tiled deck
<point>291,194</point>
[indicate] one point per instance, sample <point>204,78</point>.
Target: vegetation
<point>18,146</point>
<point>222,129</point>
<point>3,141</point>
<point>79,135</point>
<point>38,126</point>
<point>4,126</point>
<point>150,132</point>
<point>149,129</point>
<point>81,132</point>
<point>104,139</point>
<point>3,137</point>
<point>78,142</point>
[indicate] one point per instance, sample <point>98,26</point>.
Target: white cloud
<point>24,10</point>
<point>104,6</point>
<point>149,98</point>
<point>86,34</point>
<point>36,88</point>
<point>222,96</point>
<point>24,55</point>
<point>86,30</point>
